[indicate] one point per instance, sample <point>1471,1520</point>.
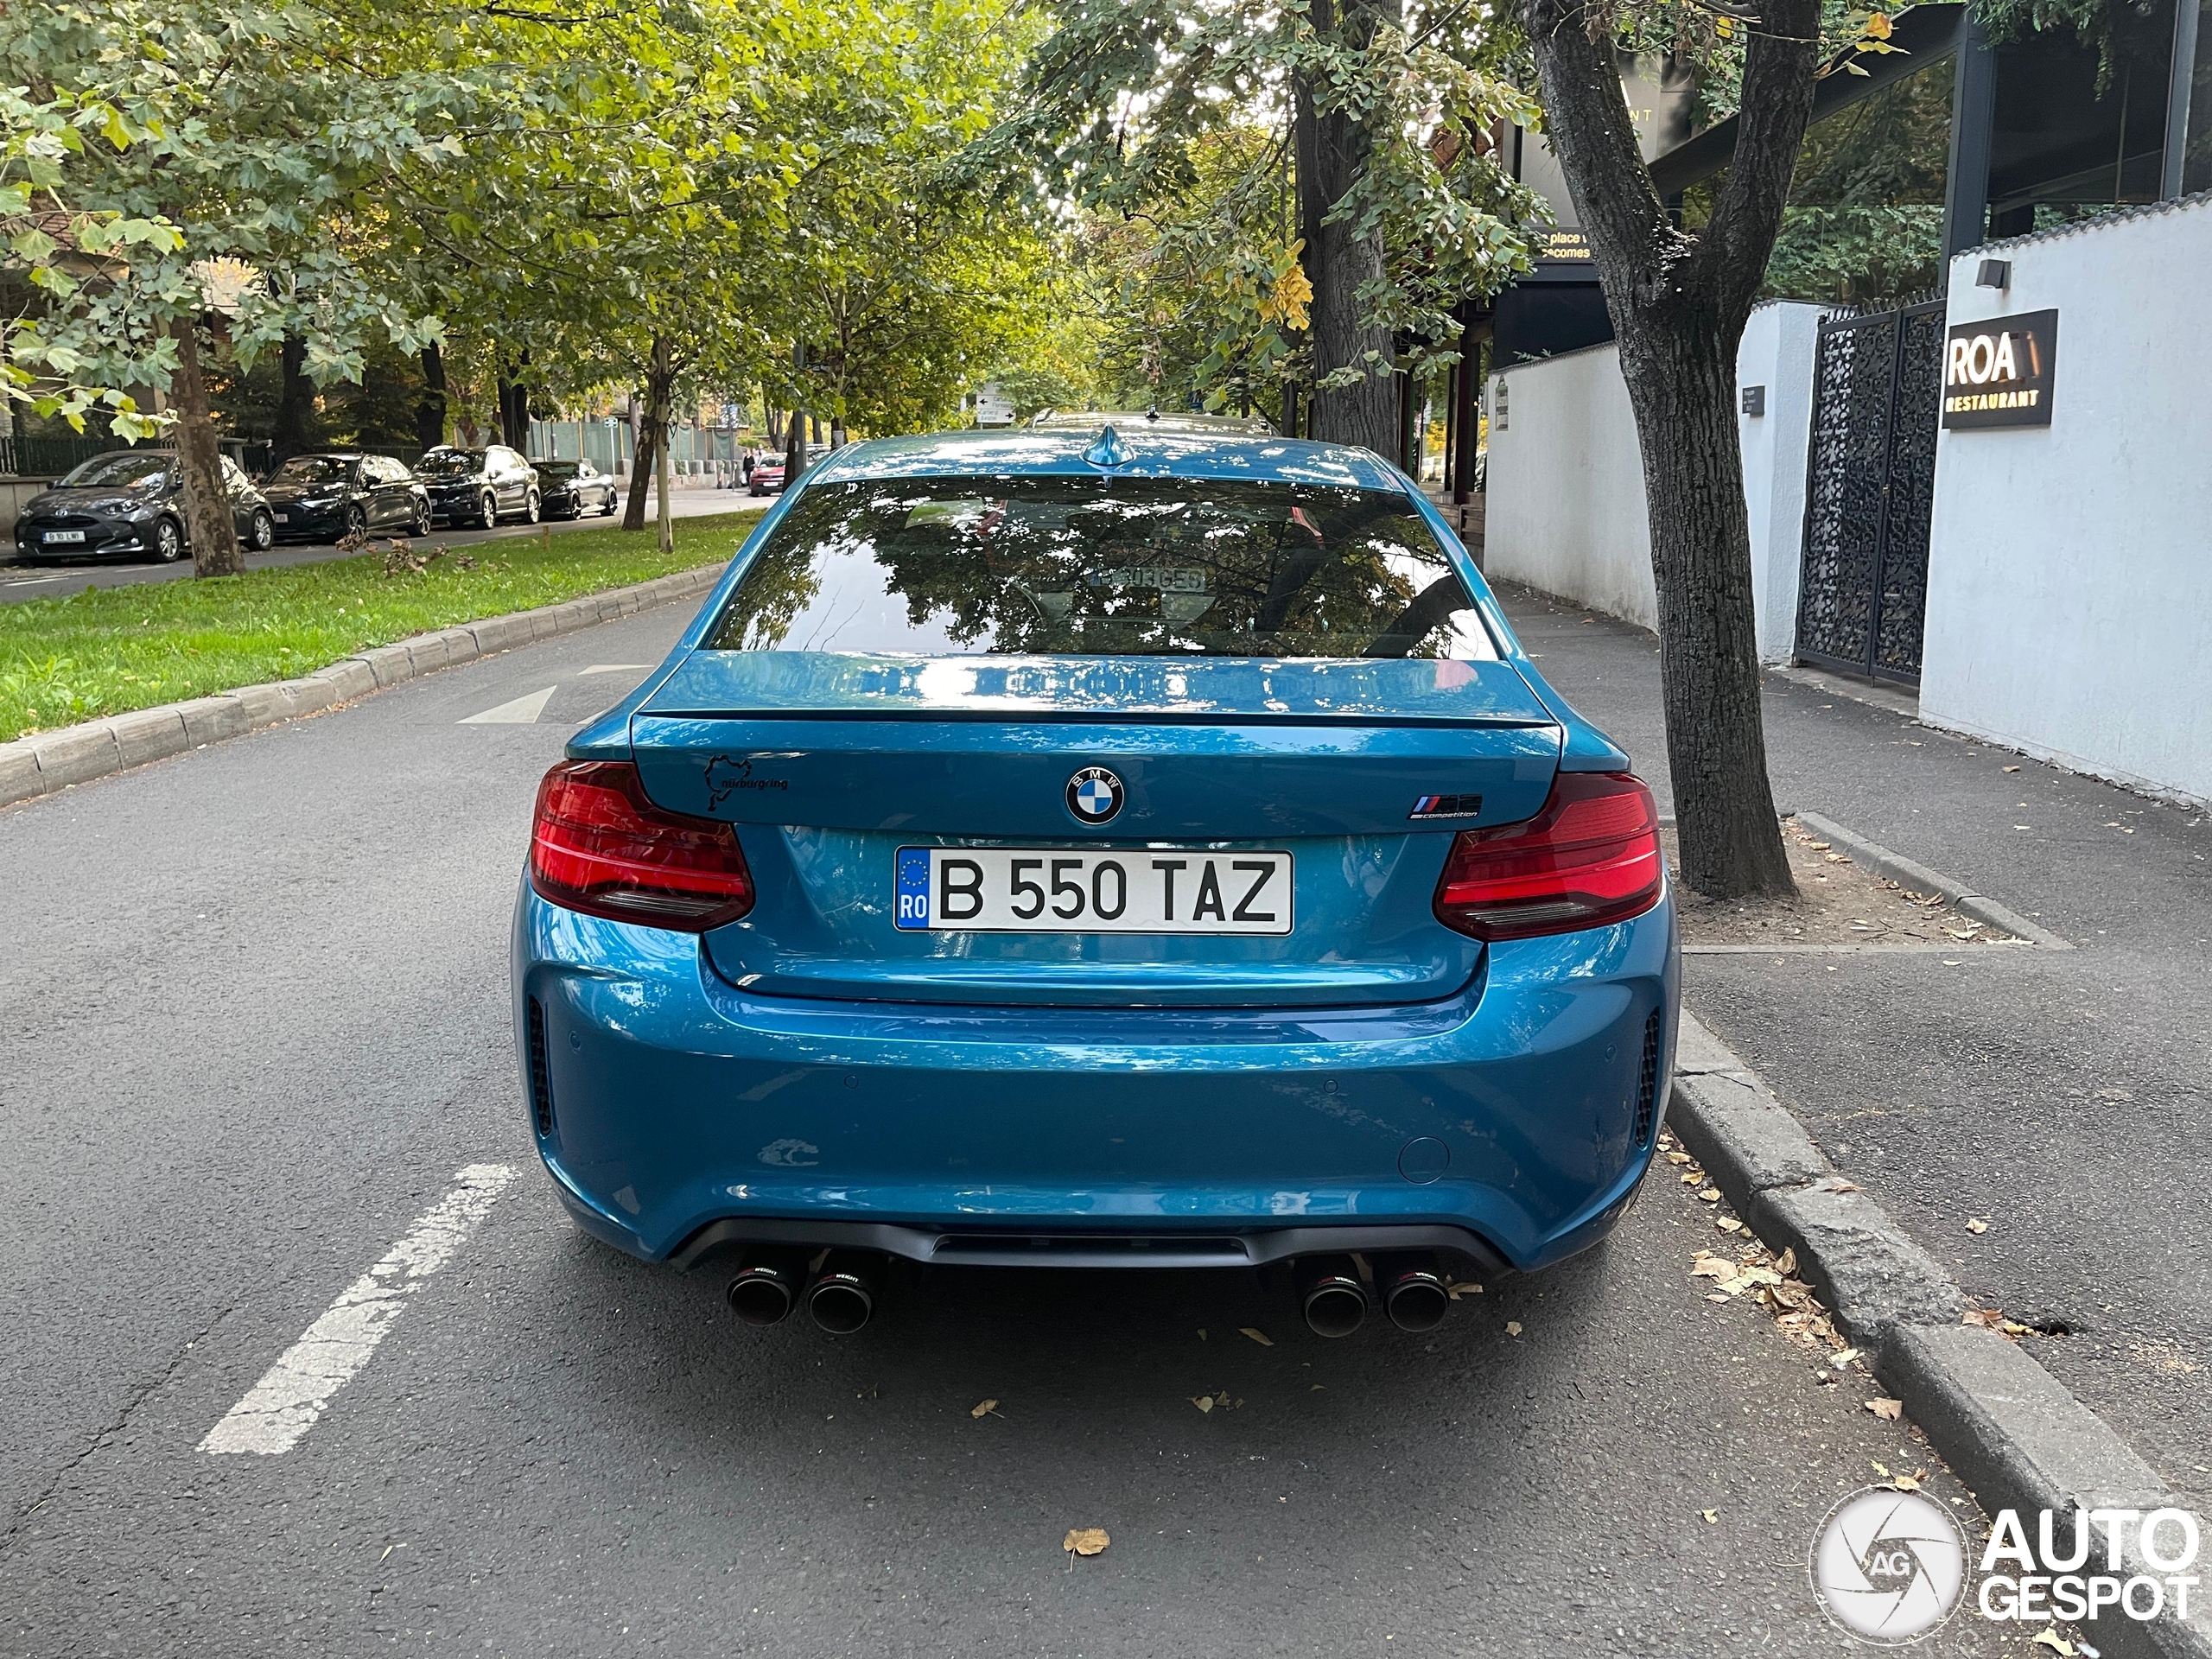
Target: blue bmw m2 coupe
<point>1096,848</point>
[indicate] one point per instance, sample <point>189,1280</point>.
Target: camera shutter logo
<point>1889,1567</point>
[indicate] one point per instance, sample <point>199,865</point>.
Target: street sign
<point>993,407</point>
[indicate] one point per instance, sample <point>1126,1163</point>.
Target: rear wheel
<point>529,508</point>
<point>261,531</point>
<point>606,508</point>
<point>169,541</point>
<point>487,511</point>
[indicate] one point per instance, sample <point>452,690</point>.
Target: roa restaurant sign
<point>1998,372</point>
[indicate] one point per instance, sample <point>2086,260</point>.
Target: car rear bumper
<point>679,1112</point>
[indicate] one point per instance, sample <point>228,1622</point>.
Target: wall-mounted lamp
<point>1993,273</point>
<point>1754,400</point>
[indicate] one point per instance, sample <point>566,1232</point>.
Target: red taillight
<point>601,847</point>
<point>1590,857</point>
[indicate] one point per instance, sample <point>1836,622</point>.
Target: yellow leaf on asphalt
<point>1977,1224</point>
<point>1086,1541</point>
<point>1457,1291</point>
<point>1844,1358</point>
<point>2050,1638</point>
<point>1728,1224</point>
<point>1712,1516</point>
<point>1880,1468</point>
<point>2012,768</point>
<point>1905,1484</point>
<point>1716,1297</point>
<point>1713,1266</point>
<point>1786,1263</point>
<point>986,1405</point>
<point>1888,1411</point>
<point>1203,1401</point>
<point>1260,1336</point>
<point>1711,1195</point>
<point>1513,1327</point>
<point>1202,1333</point>
<point>1678,1157</point>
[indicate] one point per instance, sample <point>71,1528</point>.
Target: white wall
<point>1565,478</point>
<point>2069,601</point>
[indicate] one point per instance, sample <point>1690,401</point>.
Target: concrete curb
<point>1918,877</point>
<point>2012,1430</point>
<point>31,766</point>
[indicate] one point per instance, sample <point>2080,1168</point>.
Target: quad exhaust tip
<point>1415,1294</point>
<point>842,1300</point>
<point>763,1291</point>
<point>1334,1300</point>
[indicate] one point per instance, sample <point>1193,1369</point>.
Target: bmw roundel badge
<point>1094,794</point>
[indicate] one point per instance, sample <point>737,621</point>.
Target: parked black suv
<point>479,487</point>
<point>128,503</point>
<point>327,498</point>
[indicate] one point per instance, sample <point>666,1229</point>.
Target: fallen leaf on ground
<point>1712,1516</point>
<point>1711,1195</point>
<point>986,1407</point>
<point>2012,768</point>
<point>2050,1639</point>
<point>1819,846</point>
<point>1260,1336</point>
<point>1905,1484</point>
<point>1455,1291</point>
<point>1086,1541</point>
<point>1678,1157</point>
<point>1786,1263</point>
<point>1845,1186</point>
<point>1844,1358</point>
<point>1880,1468</point>
<point>1728,1224</point>
<point>1977,1224</point>
<point>1888,1411</point>
<point>1202,1333</point>
<point>1717,1296</point>
<point>1713,1266</point>
<point>1513,1327</point>
<point>1203,1401</point>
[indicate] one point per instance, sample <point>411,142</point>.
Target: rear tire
<point>168,540</point>
<point>530,508</point>
<point>607,510</point>
<point>487,511</point>
<point>261,531</point>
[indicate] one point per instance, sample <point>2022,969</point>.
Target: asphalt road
<point>53,579</point>
<point>253,1021</point>
<point>2059,1095</point>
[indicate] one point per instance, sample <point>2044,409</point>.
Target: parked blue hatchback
<point>1104,849</point>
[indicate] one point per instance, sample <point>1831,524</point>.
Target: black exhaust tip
<point>841,1299</point>
<point>764,1290</point>
<point>1334,1300</point>
<point>1415,1294</point>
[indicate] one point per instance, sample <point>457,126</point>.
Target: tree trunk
<point>794,448</point>
<point>207,522</point>
<point>295,432</point>
<point>1333,151</point>
<point>652,435</point>
<point>514,408</point>
<point>1679,302</point>
<point>660,471</point>
<point>430,411</point>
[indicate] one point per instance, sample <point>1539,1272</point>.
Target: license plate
<point>1055,890</point>
<point>281,518</point>
<point>65,535</point>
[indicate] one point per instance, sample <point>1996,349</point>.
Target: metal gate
<point>1869,482</point>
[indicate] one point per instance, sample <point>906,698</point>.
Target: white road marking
<point>280,1408</point>
<point>523,711</point>
<point>618,668</point>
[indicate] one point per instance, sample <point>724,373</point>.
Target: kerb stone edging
<point>1920,879</point>
<point>30,767</point>
<point>2012,1432</point>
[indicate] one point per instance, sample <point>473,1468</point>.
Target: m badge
<point>1447,806</point>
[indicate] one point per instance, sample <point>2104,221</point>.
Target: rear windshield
<point>559,472</point>
<point>1126,567</point>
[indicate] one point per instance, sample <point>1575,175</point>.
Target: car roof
<point>1153,452</point>
<point>1174,420</point>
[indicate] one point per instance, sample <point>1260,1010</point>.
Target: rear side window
<point>1080,566</point>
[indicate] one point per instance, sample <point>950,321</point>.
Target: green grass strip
<point>109,650</point>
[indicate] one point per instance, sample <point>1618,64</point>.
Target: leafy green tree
<point>1133,107</point>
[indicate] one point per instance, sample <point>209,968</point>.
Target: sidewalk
<point>2061,1096</point>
